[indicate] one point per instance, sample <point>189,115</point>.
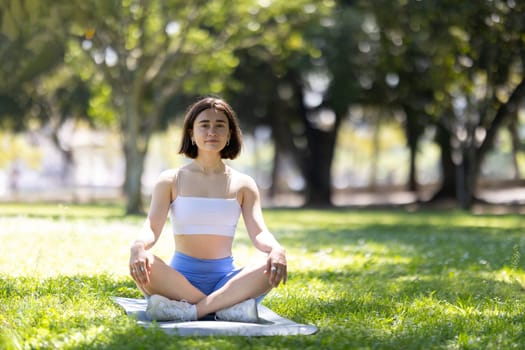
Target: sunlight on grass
<point>64,247</point>
<point>367,279</point>
<point>60,210</point>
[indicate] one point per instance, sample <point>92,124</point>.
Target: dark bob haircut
<point>232,149</point>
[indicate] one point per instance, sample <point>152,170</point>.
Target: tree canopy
<point>296,66</point>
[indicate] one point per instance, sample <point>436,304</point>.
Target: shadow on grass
<point>351,308</point>
<point>397,284</point>
<point>363,312</point>
<point>402,285</point>
<point>426,246</point>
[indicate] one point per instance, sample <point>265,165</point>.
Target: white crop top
<point>203,215</point>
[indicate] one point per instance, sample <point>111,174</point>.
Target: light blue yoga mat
<point>270,323</point>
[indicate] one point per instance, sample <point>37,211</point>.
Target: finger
<point>271,277</point>
<point>277,278</point>
<point>134,274</point>
<point>137,273</point>
<point>148,265</point>
<point>283,274</point>
<point>274,271</point>
<point>277,275</point>
<point>268,266</point>
<point>143,280</point>
<point>145,274</point>
<point>141,273</point>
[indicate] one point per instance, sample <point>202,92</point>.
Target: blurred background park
<point>341,102</point>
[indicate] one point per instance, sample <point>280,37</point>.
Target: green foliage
<point>30,44</point>
<point>139,62</point>
<point>367,279</point>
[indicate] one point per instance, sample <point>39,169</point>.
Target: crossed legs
<point>250,282</point>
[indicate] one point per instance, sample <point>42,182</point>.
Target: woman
<point>206,198</point>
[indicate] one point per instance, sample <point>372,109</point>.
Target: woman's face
<point>211,130</point>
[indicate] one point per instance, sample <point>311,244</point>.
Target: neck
<point>211,165</point>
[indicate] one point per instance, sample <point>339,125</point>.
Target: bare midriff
<point>204,246</point>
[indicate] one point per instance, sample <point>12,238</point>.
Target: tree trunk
<point>374,161</point>
<point>447,189</point>
<point>133,182</point>
<point>477,155</point>
<point>502,113</point>
<point>321,146</point>
<point>318,170</point>
<point>283,141</point>
<point>413,131</point>
<point>461,185</point>
<point>514,135</point>
<point>412,170</point>
<point>135,142</point>
<point>467,175</point>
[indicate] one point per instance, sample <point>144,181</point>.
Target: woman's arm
<point>158,212</point>
<point>261,237</point>
<point>140,260</point>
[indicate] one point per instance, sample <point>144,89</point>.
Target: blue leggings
<point>207,275</point>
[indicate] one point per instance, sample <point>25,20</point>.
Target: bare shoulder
<point>166,184</point>
<point>245,184</point>
<point>168,176</point>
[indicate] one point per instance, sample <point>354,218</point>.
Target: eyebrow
<point>208,121</point>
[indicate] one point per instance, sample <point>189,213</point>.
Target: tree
<point>37,84</point>
<point>147,52</point>
<point>282,68</point>
<point>151,53</point>
<point>489,57</point>
<point>29,48</point>
<point>454,65</point>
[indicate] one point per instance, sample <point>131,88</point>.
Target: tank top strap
<point>179,183</point>
<point>227,185</point>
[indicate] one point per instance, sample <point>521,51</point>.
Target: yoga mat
<point>270,323</point>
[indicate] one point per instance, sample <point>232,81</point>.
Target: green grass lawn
<point>368,279</point>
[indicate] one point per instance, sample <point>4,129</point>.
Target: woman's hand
<point>140,264</point>
<point>276,267</point>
